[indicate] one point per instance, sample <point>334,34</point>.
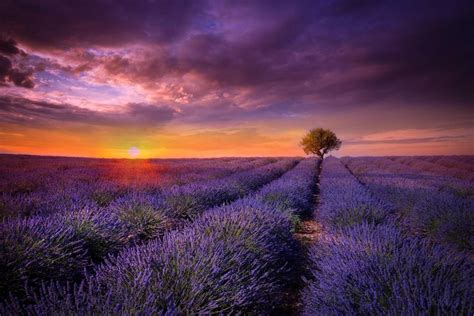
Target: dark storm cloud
<point>5,68</point>
<point>9,73</point>
<point>374,52</point>
<point>295,53</point>
<point>65,24</point>
<point>433,59</point>
<point>8,46</point>
<point>27,112</point>
<point>21,78</point>
<point>398,51</point>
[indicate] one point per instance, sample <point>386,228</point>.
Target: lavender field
<point>389,236</point>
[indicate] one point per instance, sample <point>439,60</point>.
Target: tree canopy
<point>320,141</point>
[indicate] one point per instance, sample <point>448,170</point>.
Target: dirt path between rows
<point>307,233</point>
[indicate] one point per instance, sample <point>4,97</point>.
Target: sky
<point>235,78</point>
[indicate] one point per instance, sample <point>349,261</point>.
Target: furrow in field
<point>442,213</point>
<point>234,258</point>
<point>451,162</point>
<point>386,169</point>
<point>74,185</point>
<point>436,168</point>
<point>61,246</point>
<point>364,264</point>
<point>307,230</point>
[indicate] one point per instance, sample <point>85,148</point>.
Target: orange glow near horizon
<point>113,144</point>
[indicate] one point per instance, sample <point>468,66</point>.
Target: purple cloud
<point>23,111</point>
<point>218,61</point>
<point>9,73</point>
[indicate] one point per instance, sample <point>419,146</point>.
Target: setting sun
<point>133,152</point>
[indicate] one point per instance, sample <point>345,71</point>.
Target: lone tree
<point>320,141</point>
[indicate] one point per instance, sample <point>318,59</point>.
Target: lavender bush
<point>99,232</point>
<point>41,186</point>
<point>224,263</point>
<point>344,201</point>
<point>127,220</point>
<point>224,245</point>
<point>451,162</point>
<point>434,206</point>
<point>36,249</point>
<point>189,201</point>
<point>367,270</point>
<point>143,215</point>
<point>232,259</point>
<point>445,217</point>
<point>440,167</point>
<point>368,266</point>
<point>294,190</point>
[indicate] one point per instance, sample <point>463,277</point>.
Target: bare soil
<point>307,234</point>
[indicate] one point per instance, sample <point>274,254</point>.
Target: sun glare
<point>133,152</point>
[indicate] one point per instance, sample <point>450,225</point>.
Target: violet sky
<point>235,78</point>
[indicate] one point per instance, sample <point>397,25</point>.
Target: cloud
<point>146,113</point>
<point>25,112</point>
<point>97,23</point>
<point>8,46</point>
<point>423,140</point>
<point>5,67</point>
<point>291,50</point>
<point>363,51</point>
<point>9,73</point>
<point>21,78</point>
<point>416,136</point>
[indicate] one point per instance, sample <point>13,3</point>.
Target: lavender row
<point>460,162</point>
<point>20,175</point>
<point>344,201</point>
<point>452,162</point>
<point>455,170</point>
<point>68,183</point>
<point>190,200</point>
<point>440,213</point>
<point>365,265</point>
<point>385,169</point>
<point>233,259</point>
<point>61,246</point>
<point>372,269</point>
<point>293,192</point>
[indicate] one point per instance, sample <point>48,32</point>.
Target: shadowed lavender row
<point>60,246</point>
<point>435,207</point>
<point>442,167</point>
<point>343,201</point>
<point>235,258</point>
<point>363,264</point>
<point>386,169</point>
<point>454,162</point>
<point>41,185</point>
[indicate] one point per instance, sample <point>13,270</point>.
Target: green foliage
<point>101,232</point>
<point>185,206</point>
<point>144,221</point>
<point>320,141</point>
<point>357,214</point>
<point>296,223</point>
<point>103,198</point>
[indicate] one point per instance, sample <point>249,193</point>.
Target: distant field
<point>394,235</point>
